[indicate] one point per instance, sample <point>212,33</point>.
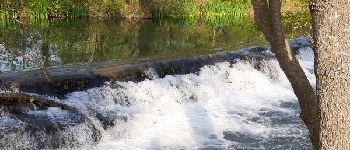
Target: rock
<point>34,122</point>
<point>39,130</point>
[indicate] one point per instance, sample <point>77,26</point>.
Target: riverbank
<point>152,9</point>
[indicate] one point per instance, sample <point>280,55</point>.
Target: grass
<point>105,8</point>
<point>220,13</point>
<point>214,12</point>
<point>8,11</point>
<point>178,9</point>
<point>296,22</point>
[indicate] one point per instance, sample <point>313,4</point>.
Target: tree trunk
<point>267,16</point>
<point>331,28</point>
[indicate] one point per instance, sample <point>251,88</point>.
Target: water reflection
<point>89,41</point>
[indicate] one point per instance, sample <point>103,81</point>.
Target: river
<point>222,106</point>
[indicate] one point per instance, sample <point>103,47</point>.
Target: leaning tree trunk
<point>331,28</point>
<point>267,16</point>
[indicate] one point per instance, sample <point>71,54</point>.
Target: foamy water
<point>224,106</point>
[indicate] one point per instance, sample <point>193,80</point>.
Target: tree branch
<point>267,15</point>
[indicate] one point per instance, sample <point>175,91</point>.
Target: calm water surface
<point>61,42</point>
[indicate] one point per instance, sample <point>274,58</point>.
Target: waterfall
<point>246,104</point>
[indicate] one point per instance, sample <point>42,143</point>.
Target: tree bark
<point>267,16</point>
<point>331,28</point>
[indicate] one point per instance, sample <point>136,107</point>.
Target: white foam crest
<point>306,61</point>
<point>204,110</point>
<point>152,73</point>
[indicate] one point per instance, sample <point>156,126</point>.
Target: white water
<point>224,106</point>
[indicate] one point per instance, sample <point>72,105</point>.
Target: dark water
<point>61,42</point>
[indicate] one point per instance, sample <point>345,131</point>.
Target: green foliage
<point>39,9</point>
<point>8,14</point>
<point>176,9</point>
<point>103,8</point>
<point>297,20</point>
<point>298,3</point>
<point>8,11</point>
<point>215,12</point>
<point>188,9</point>
<point>294,23</point>
<point>43,9</point>
<point>220,13</point>
<point>68,8</point>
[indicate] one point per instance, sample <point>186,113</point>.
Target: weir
<point>63,80</point>
<point>232,100</point>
